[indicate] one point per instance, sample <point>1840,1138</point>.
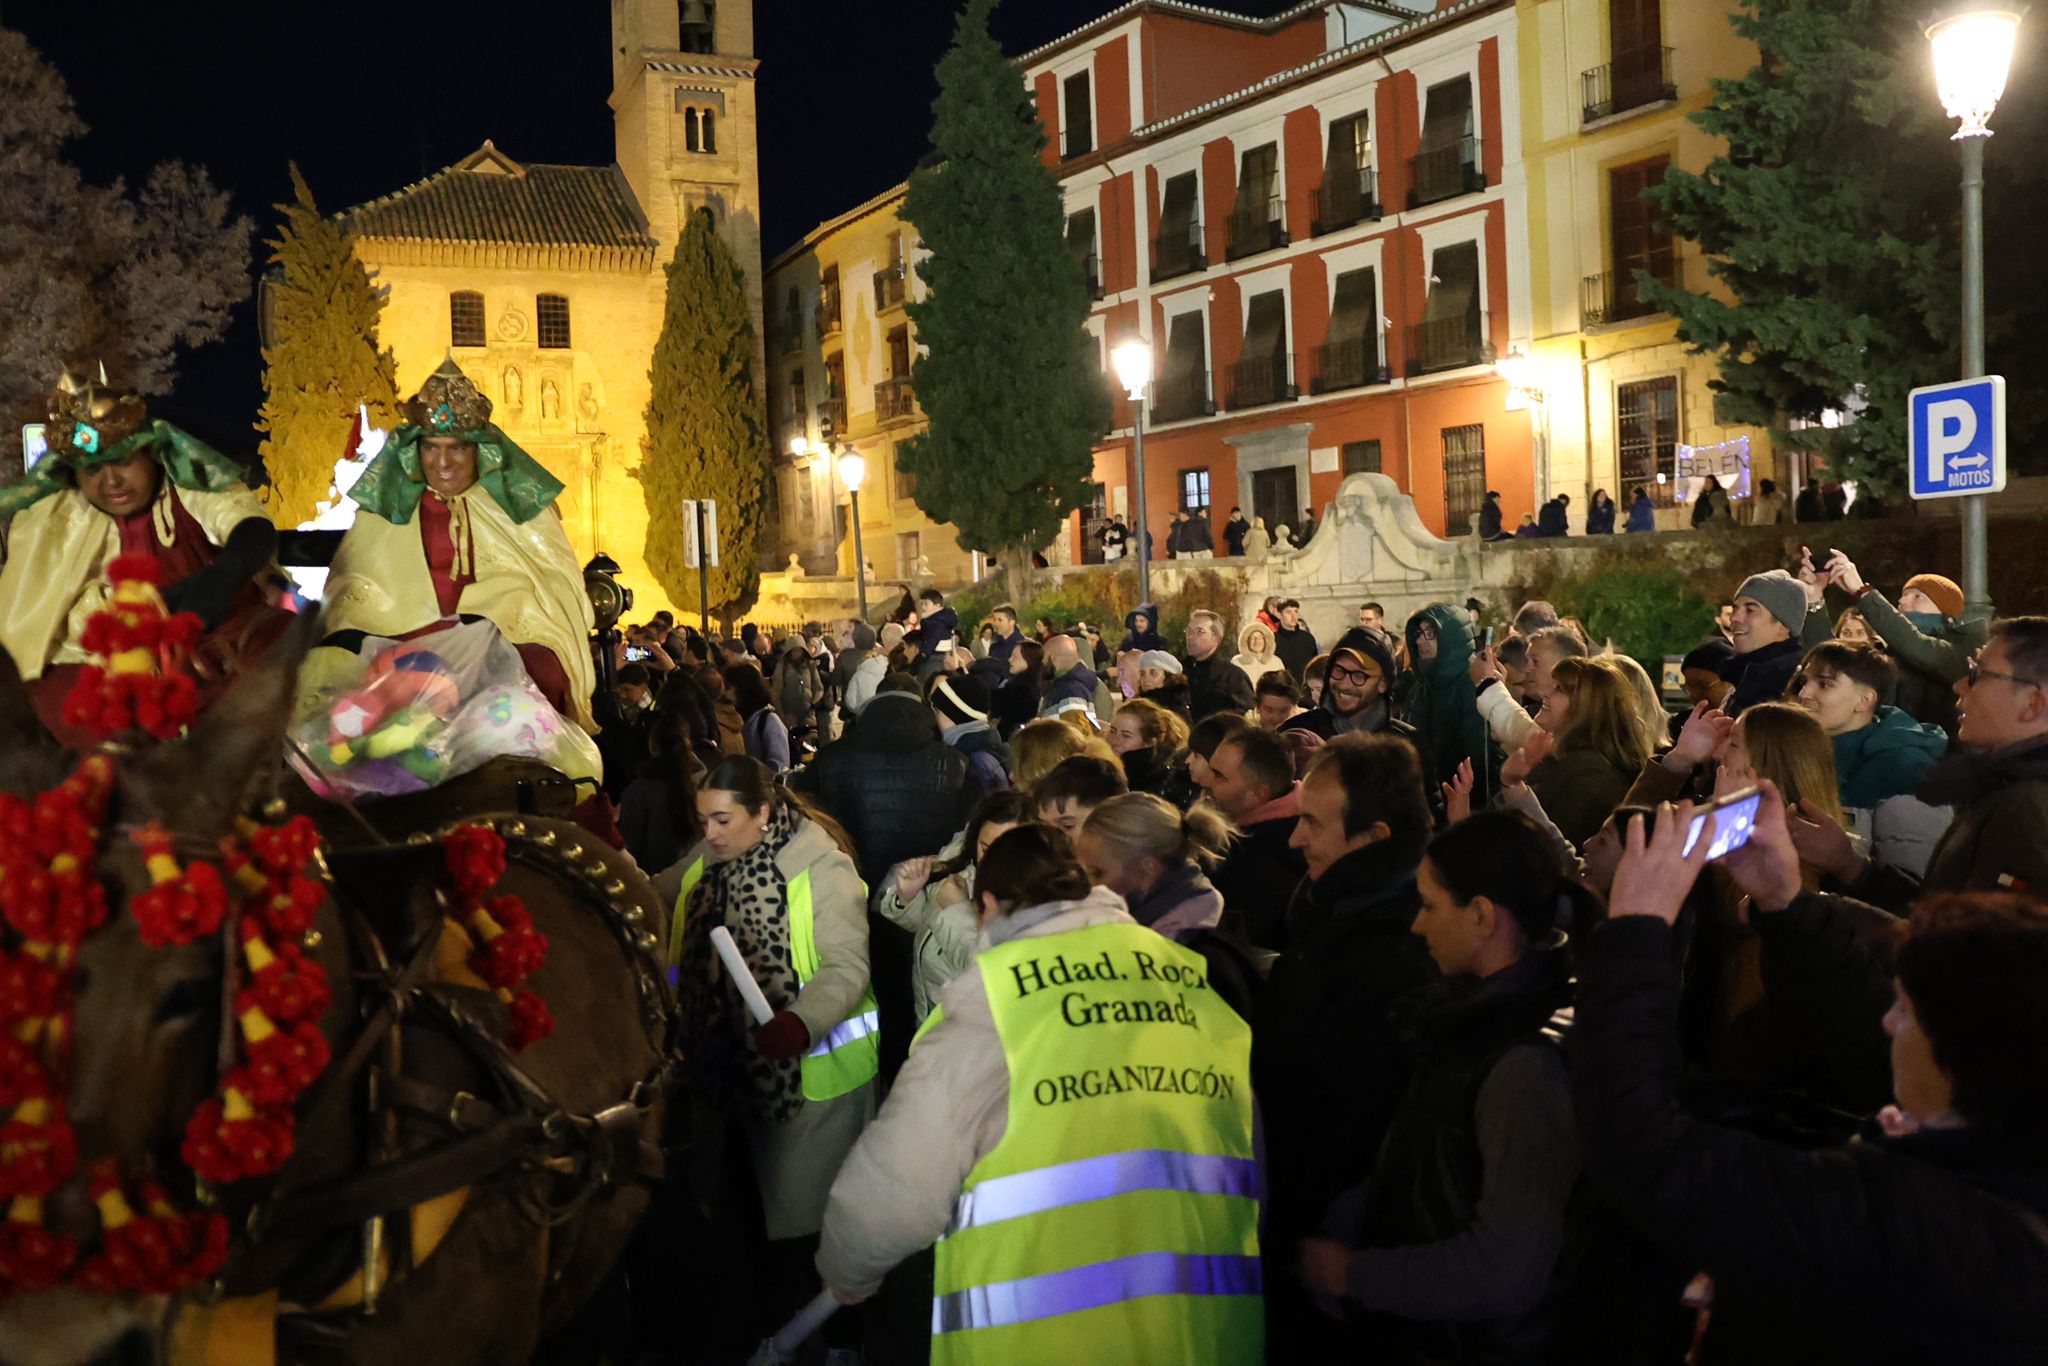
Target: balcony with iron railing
<point>1346,197</point>
<point>1178,252</point>
<point>1449,344</point>
<point>889,288</point>
<point>1615,296</point>
<point>894,400</point>
<point>1260,380</point>
<point>1439,173</point>
<point>832,416</point>
<point>1633,80</point>
<point>1255,227</point>
<point>1339,365</point>
<point>1180,395</point>
<point>828,314</point>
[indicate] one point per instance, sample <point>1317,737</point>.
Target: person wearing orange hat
<point>1924,631</point>
<point>116,481</point>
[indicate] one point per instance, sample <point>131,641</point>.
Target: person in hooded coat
<point>1255,652</point>
<point>1141,629</point>
<point>1442,704</point>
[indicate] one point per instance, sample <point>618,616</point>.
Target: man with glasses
<point>1214,683</point>
<point>1357,690</point>
<point>1997,782</point>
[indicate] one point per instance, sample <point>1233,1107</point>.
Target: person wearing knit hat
<point>1924,631</point>
<point>961,704</point>
<point>1357,691</point>
<point>1770,612</point>
<point>116,481</point>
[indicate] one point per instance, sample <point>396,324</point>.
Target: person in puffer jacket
<point>1880,752</point>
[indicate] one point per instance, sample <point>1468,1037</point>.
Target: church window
<point>465,318</point>
<point>691,141</point>
<point>710,131</point>
<point>553,312</point>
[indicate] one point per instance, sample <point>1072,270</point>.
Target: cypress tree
<point>323,360</point>
<point>1830,219</point>
<point>705,432</point>
<point>1009,377</point>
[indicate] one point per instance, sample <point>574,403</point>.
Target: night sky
<point>370,95</point>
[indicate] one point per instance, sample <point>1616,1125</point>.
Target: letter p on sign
<point>1957,438</point>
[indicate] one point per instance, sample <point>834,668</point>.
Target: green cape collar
<point>187,462</point>
<point>392,485</point>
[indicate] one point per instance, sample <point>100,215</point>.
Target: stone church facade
<point>547,282</point>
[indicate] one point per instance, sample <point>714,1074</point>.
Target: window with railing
<point>1361,457</point>
<point>1448,162</point>
<point>1349,357</point>
<point>828,302</point>
<point>1081,246</point>
<point>1646,438</point>
<point>1182,389</point>
<point>1178,248</point>
<point>893,396</point>
<point>1640,240</point>
<point>465,318</point>
<point>1077,106</point>
<point>552,314</point>
<point>832,412</point>
<point>1257,222</point>
<point>1350,190</point>
<point>1262,373</point>
<point>1638,70</point>
<point>889,279</point>
<point>1194,489</point>
<point>1464,476</point>
<point>1452,332</point>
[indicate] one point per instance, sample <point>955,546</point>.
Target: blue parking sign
<point>1956,436</point>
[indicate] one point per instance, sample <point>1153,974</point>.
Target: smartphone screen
<point>1486,641</point>
<point>1732,820</point>
<point>635,653</point>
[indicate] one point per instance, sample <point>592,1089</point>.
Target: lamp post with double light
<point>1132,361</point>
<point>1972,44</point>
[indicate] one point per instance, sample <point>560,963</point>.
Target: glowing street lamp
<point>1132,361</point>
<point>1518,370</point>
<point>1972,45</point>
<point>852,470</point>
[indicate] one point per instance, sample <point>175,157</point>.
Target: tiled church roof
<point>488,197</point>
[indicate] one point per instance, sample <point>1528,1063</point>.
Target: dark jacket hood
<point>1151,611</point>
<point>1453,645</point>
<point>1891,731</point>
<point>896,723</point>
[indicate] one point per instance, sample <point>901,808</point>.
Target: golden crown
<point>89,417</point>
<point>449,403</point>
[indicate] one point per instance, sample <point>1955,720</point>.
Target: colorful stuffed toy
<point>385,731</point>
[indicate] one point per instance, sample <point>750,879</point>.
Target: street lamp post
<point>1521,375</point>
<point>1133,363</point>
<point>1973,45</point>
<point>853,469</point>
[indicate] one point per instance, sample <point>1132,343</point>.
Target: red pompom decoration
<point>531,1019</point>
<point>475,859</point>
<point>220,1150</point>
<point>182,910</point>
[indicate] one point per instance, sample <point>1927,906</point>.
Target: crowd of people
<point>1142,998</point>
<point>1391,1012</point>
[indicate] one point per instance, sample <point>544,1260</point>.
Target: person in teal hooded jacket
<point>1880,751</point>
<point>1443,706</point>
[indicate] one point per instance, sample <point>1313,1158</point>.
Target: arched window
<point>690,130</point>
<point>465,318</point>
<point>710,132</point>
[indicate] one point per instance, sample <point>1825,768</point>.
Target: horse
<point>447,1200</point>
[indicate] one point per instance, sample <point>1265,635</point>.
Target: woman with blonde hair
<point>1038,747</point>
<point>1149,739</point>
<point>1649,703</point>
<point>1591,744</point>
<point>1783,742</point>
<point>1153,856</point>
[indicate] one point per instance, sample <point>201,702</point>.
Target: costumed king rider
<point>457,523</point>
<point>115,482</point>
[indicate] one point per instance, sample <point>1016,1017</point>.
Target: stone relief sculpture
<point>550,400</point>
<point>515,388</point>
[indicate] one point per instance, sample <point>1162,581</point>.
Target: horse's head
<point>146,1021</point>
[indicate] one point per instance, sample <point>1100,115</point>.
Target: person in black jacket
<point>1770,612</point>
<point>1490,517</point>
<point>1141,629</point>
<point>1327,1064</point>
<point>1234,532</point>
<point>899,791</point>
<point>1251,781</point>
<point>1214,683</point>
<point>1451,1244</point>
<point>1292,640</point>
<point>1930,1245</point>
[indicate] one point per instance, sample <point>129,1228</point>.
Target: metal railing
<point>1633,79</point>
<point>1176,397</point>
<point>1615,296</point>
<point>889,288</point>
<point>1179,253</point>
<point>1439,173</point>
<point>1255,227</point>
<point>1449,344</point>
<point>832,417</point>
<point>1344,198</point>
<point>1348,365</point>
<point>828,312</point>
<point>894,399</point>
<point>1260,380</point>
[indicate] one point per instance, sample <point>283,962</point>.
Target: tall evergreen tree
<point>1009,376</point>
<point>706,437</point>
<point>323,361</point>
<point>1830,219</point>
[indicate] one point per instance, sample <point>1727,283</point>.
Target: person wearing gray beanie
<point>1770,612</point>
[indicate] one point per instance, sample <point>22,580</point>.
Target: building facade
<point>547,282</point>
<point>1607,87</point>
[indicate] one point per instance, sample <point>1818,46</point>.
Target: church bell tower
<point>683,116</point>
